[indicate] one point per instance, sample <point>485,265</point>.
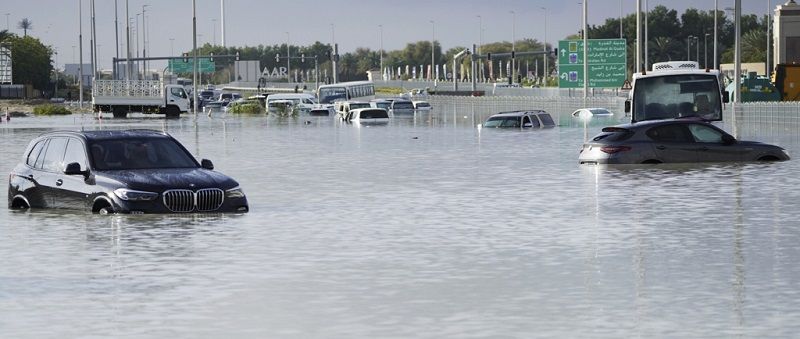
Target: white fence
<point>759,119</point>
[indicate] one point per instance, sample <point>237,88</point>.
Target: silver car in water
<point>673,141</point>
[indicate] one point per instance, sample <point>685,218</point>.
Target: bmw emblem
<point>191,185</point>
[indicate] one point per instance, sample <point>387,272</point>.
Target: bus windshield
<point>675,96</point>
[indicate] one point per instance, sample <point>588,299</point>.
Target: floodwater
<point>423,228</point>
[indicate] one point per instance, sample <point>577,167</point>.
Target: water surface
<point>427,228</point>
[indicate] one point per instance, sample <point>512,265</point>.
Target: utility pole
<point>716,26</point>
<point>585,49</point>
<point>544,47</point>
<point>222,19</point>
<point>381,57</point>
<point>194,56</point>
<point>80,54</point>
<point>116,42</point>
<point>128,69</point>
<point>144,43</point>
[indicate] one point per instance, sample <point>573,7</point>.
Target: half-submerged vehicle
<point>119,171</point>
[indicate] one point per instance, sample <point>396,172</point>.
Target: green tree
<point>25,25</point>
<point>32,61</point>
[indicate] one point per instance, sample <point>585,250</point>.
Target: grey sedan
<point>673,141</point>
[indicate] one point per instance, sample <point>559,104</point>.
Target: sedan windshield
<point>140,153</point>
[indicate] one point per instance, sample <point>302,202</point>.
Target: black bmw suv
<point>122,171</point>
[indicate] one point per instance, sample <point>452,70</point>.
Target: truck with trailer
<point>676,89</point>
<point>121,97</point>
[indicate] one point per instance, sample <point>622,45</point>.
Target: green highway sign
<point>608,65</point>
<point>204,65</point>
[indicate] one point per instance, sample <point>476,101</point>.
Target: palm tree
<point>5,34</point>
<point>661,49</point>
<point>25,24</point>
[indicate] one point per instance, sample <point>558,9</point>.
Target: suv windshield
<point>139,153</point>
<point>677,96</point>
<point>503,121</point>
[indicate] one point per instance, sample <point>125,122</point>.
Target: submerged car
<point>673,141</point>
<point>374,116</point>
<point>122,171</point>
<point>592,112</point>
<point>520,119</point>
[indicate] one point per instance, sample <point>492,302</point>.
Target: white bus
<point>350,91</point>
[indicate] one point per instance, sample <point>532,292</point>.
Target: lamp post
<point>697,48</point>
<point>716,26</point>
<point>689,47</point>
<point>766,66</point>
<point>380,28</point>
<point>705,50</point>
<point>544,47</point>
<point>433,41</point>
<point>288,57</point>
<point>513,45</point>
<point>144,41</point>
<point>7,26</point>
<point>480,41</point>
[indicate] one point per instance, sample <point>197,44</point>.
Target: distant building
<point>5,66</point>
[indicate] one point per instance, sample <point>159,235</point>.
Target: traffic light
<point>185,57</point>
<point>302,58</point>
<point>513,53</point>
<point>277,57</point>
<point>211,57</point>
<point>237,56</point>
<point>489,56</point>
<point>555,52</point>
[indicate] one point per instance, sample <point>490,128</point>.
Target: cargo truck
<point>121,97</point>
<point>676,89</point>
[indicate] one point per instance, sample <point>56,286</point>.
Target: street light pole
<point>766,68</point>
<point>80,55</point>
<point>381,55</point>
<point>480,42</point>
<point>544,47</point>
<point>716,26</point>
<point>513,46</point>
<point>705,50</point>
<point>128,70</point>
<point>194,57</point>
<point>144,42</point>
<point>433,42</point>
<point>288,57</point>
<point>585,49</point>
<point>697,48</point>
<point>689,47</point>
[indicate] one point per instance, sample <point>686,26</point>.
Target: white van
<point>301,101</point>
<point>344,107</point>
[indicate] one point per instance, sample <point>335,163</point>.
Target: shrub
<point>50,109</point>
<point>246,108</point>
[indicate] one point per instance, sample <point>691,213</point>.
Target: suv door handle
<point>59,182</point>
<point>661,148</point>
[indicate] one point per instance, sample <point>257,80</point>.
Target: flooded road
<point>425,228</point>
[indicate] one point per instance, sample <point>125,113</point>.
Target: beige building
<point>786,33</point>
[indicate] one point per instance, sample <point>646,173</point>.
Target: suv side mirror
<point>726,97</point>
<point>207,164</point>
<point>628,106</point>
<point>74,168</point>
<point>728,139</point>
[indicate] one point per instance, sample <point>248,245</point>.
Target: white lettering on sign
<point>277,72</point>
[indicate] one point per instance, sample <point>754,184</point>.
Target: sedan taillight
<point>615,149</point>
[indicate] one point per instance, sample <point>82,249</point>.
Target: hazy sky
<point>353,23</point>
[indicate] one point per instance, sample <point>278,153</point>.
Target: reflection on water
<point>425,227</point>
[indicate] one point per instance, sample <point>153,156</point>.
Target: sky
<point>350,23</point>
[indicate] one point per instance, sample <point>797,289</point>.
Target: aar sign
<point>607,63</point>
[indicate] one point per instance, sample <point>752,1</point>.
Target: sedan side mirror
<point>207,164</point>
<point>74,168</point>
<point>728,139</point>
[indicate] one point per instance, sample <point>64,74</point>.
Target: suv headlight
<point>133,195</point>
<point>235,192</point>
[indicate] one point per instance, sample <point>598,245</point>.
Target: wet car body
<point>673,141</point>
<point>92,174</point>
<point>520,119</point>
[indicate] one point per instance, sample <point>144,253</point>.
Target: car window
<point>547,120</point>
<point>75,153</point>
<point>40,157</point>
<point>704,133</point>
<point>31,161</point>
<point>54,155</point>
<point>141,153</point>
<point>670,133</point>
